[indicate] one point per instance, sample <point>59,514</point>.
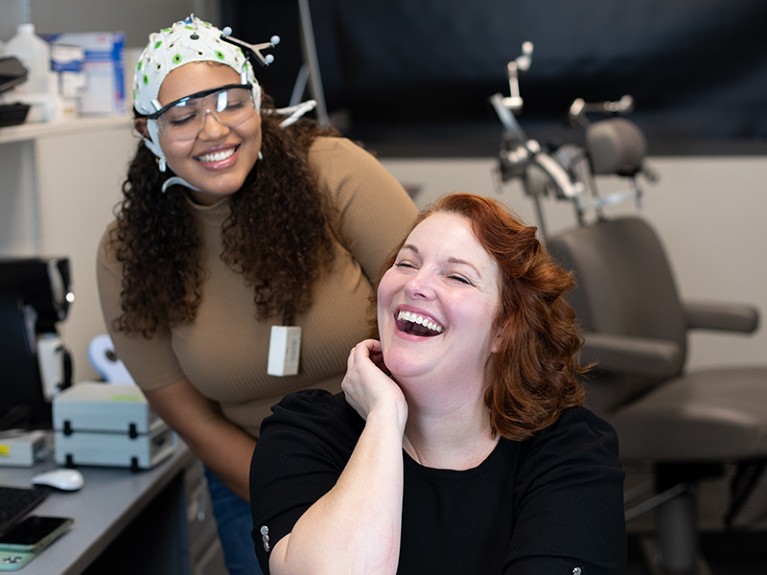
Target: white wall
<point>709,211</point>
<point>56,198</point>
<point>79,185</point>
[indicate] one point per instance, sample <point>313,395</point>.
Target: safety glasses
<point>184,118</point>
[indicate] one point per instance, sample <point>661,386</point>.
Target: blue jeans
<point>235,523</point>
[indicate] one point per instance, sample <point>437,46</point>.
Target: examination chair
<point>688,424</point>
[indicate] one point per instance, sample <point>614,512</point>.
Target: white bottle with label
<point>35,54</point>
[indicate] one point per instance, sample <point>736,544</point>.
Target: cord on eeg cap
<point>252,51</point>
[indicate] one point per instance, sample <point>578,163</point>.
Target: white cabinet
<point>59,184</point>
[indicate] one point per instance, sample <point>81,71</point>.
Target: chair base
<point>674,547</point>
<point>651,557</point>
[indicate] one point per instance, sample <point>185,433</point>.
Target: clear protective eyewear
<point>183,119</point>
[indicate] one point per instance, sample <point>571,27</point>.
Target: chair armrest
<point>632,355</point>
<point>721,316</point>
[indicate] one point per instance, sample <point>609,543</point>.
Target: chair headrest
<point>616,146</point>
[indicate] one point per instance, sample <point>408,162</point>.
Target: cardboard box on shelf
<point>104,91</point>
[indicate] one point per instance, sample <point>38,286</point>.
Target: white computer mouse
<point>63,479</point>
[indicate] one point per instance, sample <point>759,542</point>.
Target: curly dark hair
<point>277,235</point>
<point>535,373</point>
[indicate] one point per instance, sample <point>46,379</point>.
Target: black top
<point>537,507</point>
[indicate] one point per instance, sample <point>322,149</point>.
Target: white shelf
<point>24,132</point>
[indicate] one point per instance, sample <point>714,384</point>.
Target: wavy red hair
<point>534,375</point>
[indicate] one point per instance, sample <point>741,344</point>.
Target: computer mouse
<point>62,479</point>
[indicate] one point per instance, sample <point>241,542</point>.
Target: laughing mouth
<point>416,324</point>
<point>217,156</point>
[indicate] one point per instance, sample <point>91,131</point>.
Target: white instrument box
<point>108,424</point>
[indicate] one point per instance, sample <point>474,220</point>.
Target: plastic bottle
<point>35,54</point>
<point>39,90</point>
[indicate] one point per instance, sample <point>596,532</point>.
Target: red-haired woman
<point>460,444</point>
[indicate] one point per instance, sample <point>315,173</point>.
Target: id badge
<point>284,350</point>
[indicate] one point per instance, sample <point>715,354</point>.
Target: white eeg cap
<point>186,41</point>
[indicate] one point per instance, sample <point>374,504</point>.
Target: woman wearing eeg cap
<point>238,237</point>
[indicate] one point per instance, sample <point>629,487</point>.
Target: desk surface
<point>110,499</point>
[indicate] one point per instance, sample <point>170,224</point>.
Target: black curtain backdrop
<point>404,69</point>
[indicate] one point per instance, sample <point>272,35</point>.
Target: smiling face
<point>218,160</point>
<point>437,303</point>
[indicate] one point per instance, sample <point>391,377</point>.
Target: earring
<point>260,155</point>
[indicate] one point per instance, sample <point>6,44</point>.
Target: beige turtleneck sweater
<point>223,353</point>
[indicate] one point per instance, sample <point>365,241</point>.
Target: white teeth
<point>216,156</point>
<point>420,320</point>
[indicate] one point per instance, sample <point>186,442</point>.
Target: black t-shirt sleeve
<point>301,451</point>
<point>570,501</point>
